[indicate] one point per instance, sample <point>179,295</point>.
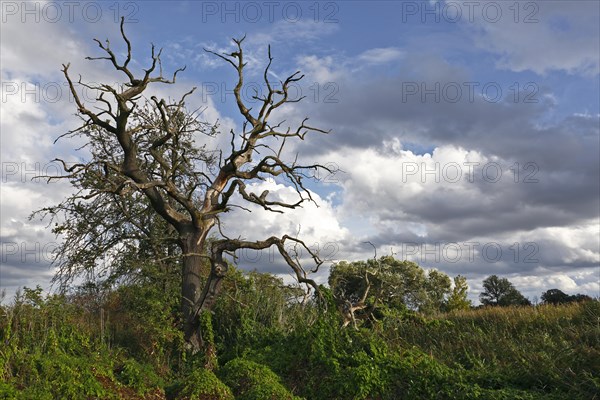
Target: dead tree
<point>348,309</point>
<point>150,162</point>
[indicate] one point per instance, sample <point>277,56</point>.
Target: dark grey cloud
<point>25,260</point>
<point>557,187</point>
<point>557,159</point>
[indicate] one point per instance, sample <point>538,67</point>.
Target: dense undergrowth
<point>125,344</point>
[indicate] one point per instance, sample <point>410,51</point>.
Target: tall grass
<point>55,348</point>
<point>68,348</point>
<point>547,348</point>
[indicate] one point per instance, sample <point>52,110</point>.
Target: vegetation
<point>252,381</point>
<point>458,298</point>
<point>556,296</point>
<point>125,343</point>
<point>203,384</point>
<point>391,282</point>
<point>500,292</point>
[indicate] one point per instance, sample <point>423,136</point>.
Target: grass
<point>545,348</point>
<point>56,347</point>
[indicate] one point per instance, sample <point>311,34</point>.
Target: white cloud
<point>31,49</point>
<point>547,36</point>
<point>381,55</point>
<point>390,178</point>
<point>411,199</point>
<point>337,68</point>
<point>316,224</point>
<point>285,31</point>
<point>570,245</point>
<point>319,69</point>
<point>280,35</point>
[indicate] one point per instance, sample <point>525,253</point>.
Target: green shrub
<point>56,347</point>
<point>50,350</point>
<point>58,376</point>
<point>252,381</point>
<point>142,321</point>
<point>202,384</point>
<point>138,376</point>
<point>7,391</point>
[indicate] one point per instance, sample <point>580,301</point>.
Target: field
<point>126,344</point>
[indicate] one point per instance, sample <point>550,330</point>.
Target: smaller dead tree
<point>348,309</point>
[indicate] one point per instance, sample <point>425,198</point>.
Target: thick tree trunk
<point>194,261</point>
<point>201,283</point>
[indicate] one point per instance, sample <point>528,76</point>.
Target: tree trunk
<point>194,260</point>
<point>201,283</point>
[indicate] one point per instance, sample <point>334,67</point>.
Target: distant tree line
<point>367,290</point>
<point>501,292</point>
<point>556,296</point>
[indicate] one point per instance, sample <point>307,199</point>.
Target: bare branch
<point>239,67</point>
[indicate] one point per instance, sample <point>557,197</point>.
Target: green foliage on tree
<point>557,296</point>
<point>391,283</point>
<point>501,292</point>
<point>437,287</point>
<point>458,298</point>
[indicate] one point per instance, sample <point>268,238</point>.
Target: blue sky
<point>414,93</point>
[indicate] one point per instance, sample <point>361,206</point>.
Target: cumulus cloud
<point>315,223</point>
<point>407,157</point>
<point>518,35</point>
<point>462,212</point>
<point>435,143</point>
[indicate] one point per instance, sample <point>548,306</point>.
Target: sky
<point>465,136</point>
